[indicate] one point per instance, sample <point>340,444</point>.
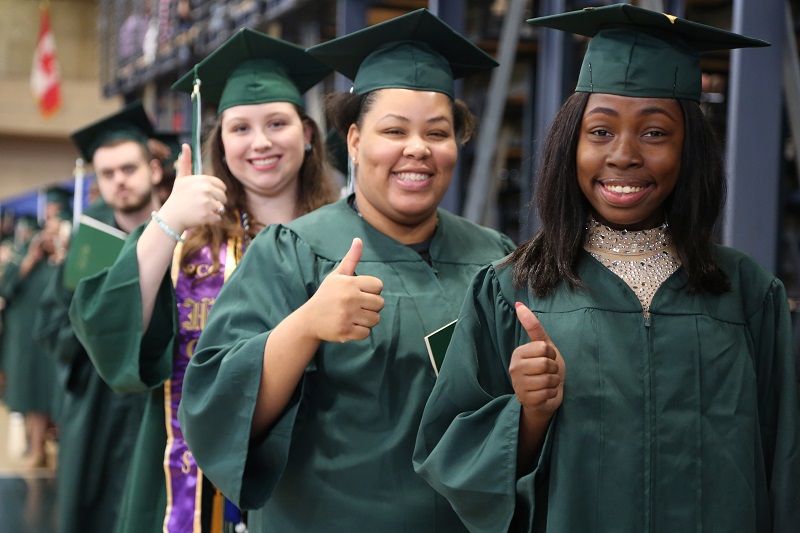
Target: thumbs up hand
<point>537,369</point>
<point>195,199</point>
<point>346,307</point>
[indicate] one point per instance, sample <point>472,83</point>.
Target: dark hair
<point>692,209</point>
<point>316,188</point>
<point>345,109</point>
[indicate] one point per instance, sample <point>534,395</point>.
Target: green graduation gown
<point>687,421</point>
<point>339,458</point>
<point>30,381</point>
<point>106,313</point>
<point>97,426</point>
<point>8,283</point>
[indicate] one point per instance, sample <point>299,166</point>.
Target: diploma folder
<point>437,343</point>
<point>94,247</point>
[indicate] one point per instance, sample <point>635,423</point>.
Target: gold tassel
<point>217,512</point>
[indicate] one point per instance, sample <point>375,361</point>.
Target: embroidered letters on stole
<point>195,298</point>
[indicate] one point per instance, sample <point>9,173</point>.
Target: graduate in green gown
<point>304,394</point>
<point>24,227</point>
<point>620,371</point>
<point>30,388</point>
<point>7,254</point>
<point>140,319</point>
<point>98,426</point>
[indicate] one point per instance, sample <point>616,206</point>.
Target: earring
<point>353,158</point>
<point>307,147</point>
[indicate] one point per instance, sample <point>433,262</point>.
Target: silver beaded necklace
<point>644,259</point>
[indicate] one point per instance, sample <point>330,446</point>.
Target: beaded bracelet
<point>163,225</point>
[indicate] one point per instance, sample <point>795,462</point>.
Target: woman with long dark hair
<point>621,371</point>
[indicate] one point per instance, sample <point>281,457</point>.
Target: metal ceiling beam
<point>754,133</point>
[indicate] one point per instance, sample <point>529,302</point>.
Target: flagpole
<point>77,198</point>
<point>41,206</point>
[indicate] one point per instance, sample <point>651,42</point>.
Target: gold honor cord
<point>197,159</point>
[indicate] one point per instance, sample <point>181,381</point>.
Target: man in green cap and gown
<point>98,426</point>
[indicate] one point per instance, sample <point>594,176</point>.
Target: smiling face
<point>405,151</point>
<point>264,147</point>
<point>629,158</point>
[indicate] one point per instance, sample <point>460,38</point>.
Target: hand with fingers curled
<point>195,200</point>
<point>346,306</point>
<point>537,369</point>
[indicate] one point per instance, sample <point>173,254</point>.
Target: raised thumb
<point>184,162</point>
<point>531,324</point>
<point>348,265</point>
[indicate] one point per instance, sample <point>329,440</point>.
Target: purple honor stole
<point>195,299</point>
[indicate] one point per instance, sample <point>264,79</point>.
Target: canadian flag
<point>45,73</point>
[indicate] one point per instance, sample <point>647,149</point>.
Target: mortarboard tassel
<point>197,158</point>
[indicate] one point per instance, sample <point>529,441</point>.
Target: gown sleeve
<point>106,314</point>
<point>51,317</point>
<point>10,279</point>
<point>53,331</point>
<point>779,416</point>
<point>220,389</point>
<point>466,446</point>
<point>8,286</point>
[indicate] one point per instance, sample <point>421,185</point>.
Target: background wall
<point>35,150</point>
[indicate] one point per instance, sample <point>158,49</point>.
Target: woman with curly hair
<point>327,346</point>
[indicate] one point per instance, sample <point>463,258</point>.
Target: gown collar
<point>329,231</point>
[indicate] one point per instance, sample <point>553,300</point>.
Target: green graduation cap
<point>643,53</point>
<point>254,68</point>
<point>415,51</point>
<point>130,123</point>
<point>61,197</point>
<point>249,68</point>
